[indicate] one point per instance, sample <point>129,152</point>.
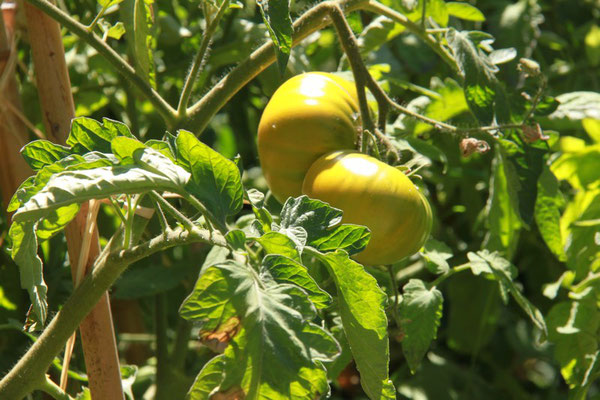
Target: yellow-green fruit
<point>309,115</point>
<point>376,195</point>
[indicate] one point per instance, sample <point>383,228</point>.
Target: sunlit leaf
<point>465,11</point>
<point>281,362</point>
<point>216,181</point>
<point>276,15</point>
<point>361,304</point>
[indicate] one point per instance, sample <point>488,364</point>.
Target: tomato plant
<point>309,115</point>
<point>376,195</point>
<point>138,143</point>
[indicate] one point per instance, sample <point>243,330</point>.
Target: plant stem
<point>314,19</point>
<point>112,262</point>
<point>396,295</point>
<point>200,56</point>
<point>91,26</point>
<point>185,221</point>
<point>122,67</point>
<point>180,348</point>
<point>350,46</point>
<point>53,389</point>
<point>162,350</point>
<point>210,218</point>
<point>443,277</point>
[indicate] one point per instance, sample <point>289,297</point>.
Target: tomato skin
<point>376,195</point>
<point>309,115</point>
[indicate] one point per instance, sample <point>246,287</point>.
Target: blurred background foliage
<point>484,350</point>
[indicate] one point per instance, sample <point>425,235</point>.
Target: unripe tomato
<point>376,195</point>
<point>309,115</point>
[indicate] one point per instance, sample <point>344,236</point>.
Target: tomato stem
<point>211,26</point>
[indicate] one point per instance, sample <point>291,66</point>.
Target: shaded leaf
<point>547,212</point>
<point>504,273</point>
<point>436,254</point>
<point>24,253</point>
<point>276,15</point>
<point>420,313</point>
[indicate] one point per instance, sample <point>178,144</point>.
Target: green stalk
<point>199,60</point>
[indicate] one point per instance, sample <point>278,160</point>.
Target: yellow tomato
<point>309,115</point>
<point>376,195</point>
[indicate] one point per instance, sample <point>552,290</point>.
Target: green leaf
<point>33,185</point>
<point>437,10</point>
<point>592,127</point>
<point>236,239</point>
<point>546,106</point>
<point>24,253</point>
<point>481,86</point>
<point>67,187</point>
<point>579,168</point>
<point>284,269</point>
<point>209,378</point>
<point>580,241</point>
<point>116,31</point>
<point>361,304</point>
<point>282,357</point>
<point>471,298</point>
<point>547,212</point>
<point>502,56</point>
<point>465,11</point>
<point>276,15</point>
<point>144,42</point>
<point>40,153</point>
<point>592,45</point>
<point>449,101</point>
<point>263,216</point>
<point>502,218</point>
<point>504,273</point>
<point>573,327</point>
<point>216,181</point>
<point>577,106</point>
<point>278,243</point>
<point>351,238</point>
<point>108,3</point>
<point>90,135</point>
<point>379,31</point>
<point>56,221</point>
<point>321,224</point>
<point>436,254</point>
<point>420,314</point>
<point>527,162</point>
<point>148,280</point>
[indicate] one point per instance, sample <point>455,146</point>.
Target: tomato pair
<point>306,145</point>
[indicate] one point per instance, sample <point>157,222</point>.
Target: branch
<point>122,67</point>
<point>200,114</point>
<point>31,368</point>
<point>199,60</point>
